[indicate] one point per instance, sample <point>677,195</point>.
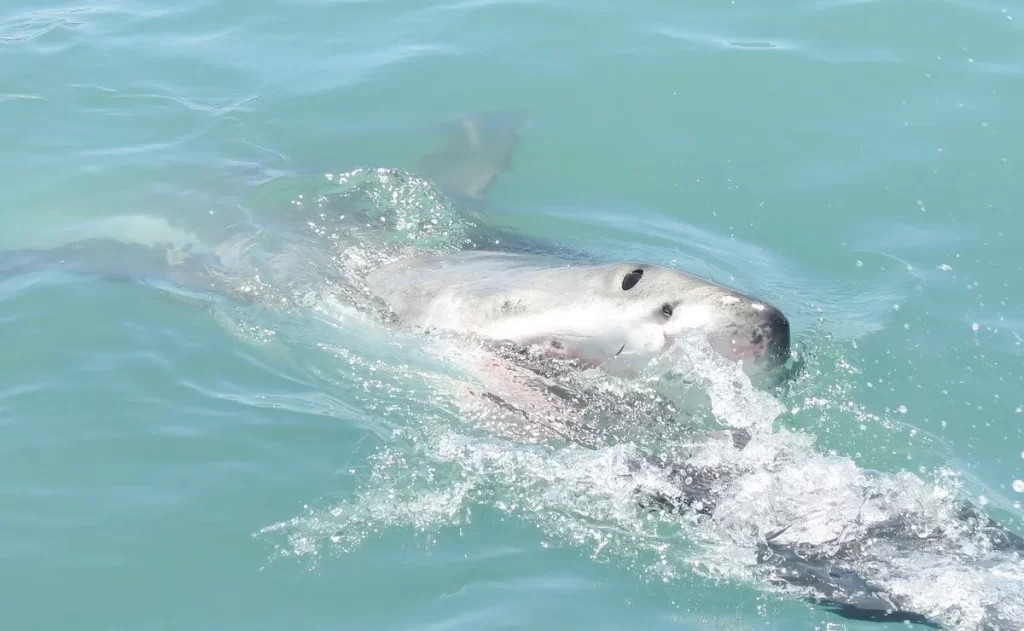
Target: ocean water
<point>172,461</point>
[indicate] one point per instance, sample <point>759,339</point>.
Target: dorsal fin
<point>479,149</point>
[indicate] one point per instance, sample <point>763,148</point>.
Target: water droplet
<point>902,409</point>
<point>982,500</point>
<point>945,268</point>
<point>1018,485</point>
<point>975,327</point>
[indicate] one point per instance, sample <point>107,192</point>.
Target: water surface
<point>167,463</point>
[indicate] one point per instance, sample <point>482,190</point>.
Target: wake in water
<point>775,511</point>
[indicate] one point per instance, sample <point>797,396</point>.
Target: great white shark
<point>616,316</point>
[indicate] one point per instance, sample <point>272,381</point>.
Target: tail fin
<point>479,149</point>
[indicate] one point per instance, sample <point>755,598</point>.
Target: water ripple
<point>25,27</point>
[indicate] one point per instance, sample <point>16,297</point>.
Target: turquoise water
<point>172,463</point>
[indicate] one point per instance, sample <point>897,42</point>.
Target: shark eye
<point>630,280</point>
<point>667,310</point>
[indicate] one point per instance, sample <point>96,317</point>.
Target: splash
<point>596,495</point>
<point>312,257</point>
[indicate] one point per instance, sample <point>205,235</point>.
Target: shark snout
<point>777,337</point>
<point>762,336</point>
